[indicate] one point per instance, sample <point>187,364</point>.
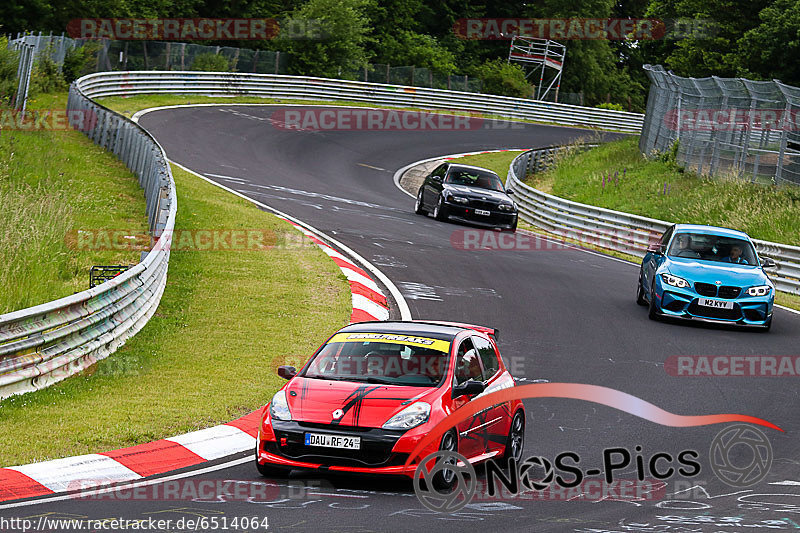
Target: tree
<point>500,77</point>
<point>770,50</point>
<point>410,48</point>
<point>328,37</point>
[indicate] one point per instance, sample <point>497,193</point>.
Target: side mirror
<point>287,372</point>
<point>767,262</point>
<point>510,192</point>
<point>469,388</point>
<point>437,179</point>
<point>655,248</point>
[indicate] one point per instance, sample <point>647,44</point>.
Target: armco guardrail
<point>47,343</point>
<point>284,87</point>
<point>615,230</point>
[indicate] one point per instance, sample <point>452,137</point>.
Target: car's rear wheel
<point>640,292</point>
<point>445,479</point>
<point>653,314</point>
<point>516,439</point>
<point>440,211</point>
<point>419,208</point>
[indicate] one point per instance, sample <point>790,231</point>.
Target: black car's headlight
<point>459,199</point>
<point>675,281</point>
<point>761,290</point>
<point>505,206</point>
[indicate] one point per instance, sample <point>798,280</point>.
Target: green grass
<point>53,183</point>
<point>206,357</point>
<point>763,212</point>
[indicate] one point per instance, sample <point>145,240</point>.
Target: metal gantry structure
<point>542,57</point>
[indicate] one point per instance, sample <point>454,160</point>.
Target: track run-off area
<point>564,315</point>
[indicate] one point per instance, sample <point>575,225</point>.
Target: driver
<point>684,242</point>
<point>735,256</point>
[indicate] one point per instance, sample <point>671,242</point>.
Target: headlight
<point>761,290</point>
<point>675,281</point>
<point>459,199</point>
<point>279,407</point>
<point>410,417</point>
<point>506,207</point>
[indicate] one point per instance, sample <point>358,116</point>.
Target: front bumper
<point>495,219</point>
<point>683,303</point>
<point>382,452</point>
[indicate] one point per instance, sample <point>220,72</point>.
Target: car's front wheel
<point>653,314</point>
<point>445,479</point>
<point>640,292</point>
<point>440,211</point>
<point>419,207</point>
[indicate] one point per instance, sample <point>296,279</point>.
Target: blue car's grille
<point>726,291</point>
<point>705,289</point>
<point>729,292</point>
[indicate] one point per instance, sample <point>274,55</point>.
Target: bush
<point>503,78</point>
<point>77,60</point>
<point>210,62</point>
<point>46,77</point>
<point>613,107</point>
<point>9,60</point>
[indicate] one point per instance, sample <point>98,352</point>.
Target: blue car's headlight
<point>675,281</point>
<point>761,290</point>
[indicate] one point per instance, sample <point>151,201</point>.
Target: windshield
<point>475,178</point>
<point>381,358</point>
<point>713,248</point>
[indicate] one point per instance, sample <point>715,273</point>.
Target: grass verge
<point>659,189</point>
<point>572,179</point>
<point>206,355</point>
<point>53,183</point>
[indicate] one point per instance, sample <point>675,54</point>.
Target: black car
<point>469,194</point>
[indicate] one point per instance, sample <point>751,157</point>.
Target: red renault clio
<point>374,389</point>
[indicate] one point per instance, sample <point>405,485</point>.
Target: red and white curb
<point>129,464</point>
<point>190,449</point>
<point>369,302</point>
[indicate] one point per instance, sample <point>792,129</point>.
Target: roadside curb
<point>71,474</point>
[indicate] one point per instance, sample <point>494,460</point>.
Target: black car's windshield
<point>713,248</point>
<point>475,178</point>
<point>382,358</point>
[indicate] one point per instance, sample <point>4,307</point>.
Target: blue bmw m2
<point>708,274</point>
